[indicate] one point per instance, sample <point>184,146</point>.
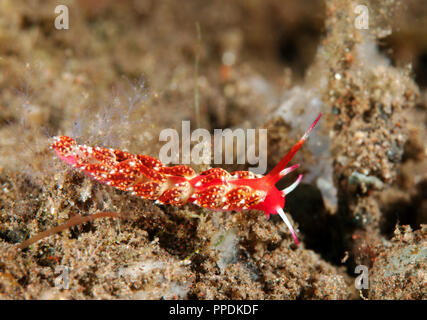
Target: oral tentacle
<point>292,186</point>
<point>285,171</point>
<point>282,214</point>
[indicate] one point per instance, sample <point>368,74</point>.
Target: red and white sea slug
<point>215,189</point>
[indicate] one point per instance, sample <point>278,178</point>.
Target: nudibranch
<point>215,189</point>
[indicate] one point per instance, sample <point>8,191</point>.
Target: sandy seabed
<point>124,71</point>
